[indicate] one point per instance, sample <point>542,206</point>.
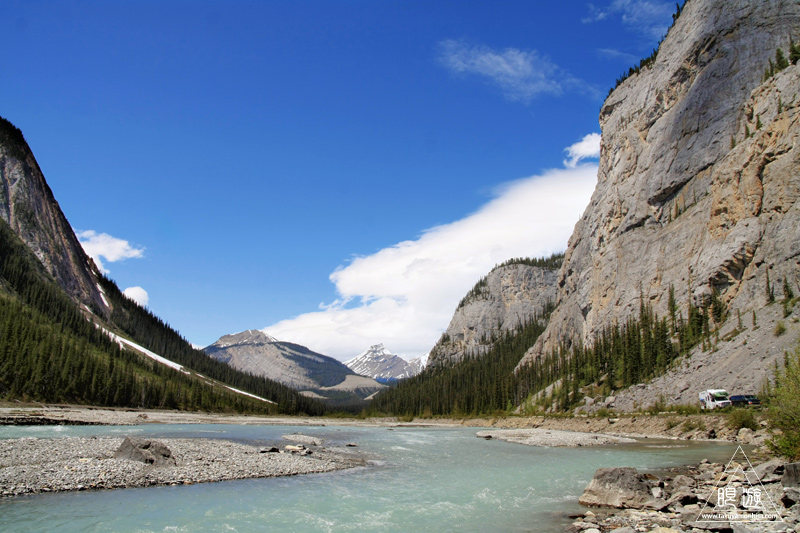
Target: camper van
<point>714,399</point>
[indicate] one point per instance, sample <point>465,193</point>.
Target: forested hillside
<point>475,385</point>
<point>50,352</point>
<point>53,344</point>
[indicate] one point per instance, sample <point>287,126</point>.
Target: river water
<point>419,479</point>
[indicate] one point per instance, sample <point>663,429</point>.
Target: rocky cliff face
<point>27,205</point>
<point>293,365</point>
<point>506,298</point>
<point>699,176</point>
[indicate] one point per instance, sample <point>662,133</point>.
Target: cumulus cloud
<point>650,18</point>
<point>103,245</point>
<point>586,148</point>
<point>520,74</point>
<point>138,295</point>
<point>404,295</point>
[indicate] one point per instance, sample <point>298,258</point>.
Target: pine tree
<point>780,60</point>
<point>769,292</point>
<point>788,293</point>
<point>794,52</point>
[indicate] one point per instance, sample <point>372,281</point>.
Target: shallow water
<point>420,479</point>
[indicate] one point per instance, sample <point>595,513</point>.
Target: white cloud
<point>520,74</point>
<point>610,53</point>
<point>586,148</point>
<point>404,295</point>
<point>111,249</point>
<point>138,295</point>
<point>650,18</point>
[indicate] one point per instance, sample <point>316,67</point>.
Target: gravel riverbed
<point>32,465</point>
<point>552,437</point>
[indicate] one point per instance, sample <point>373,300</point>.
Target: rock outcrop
<point>616,487</point>
<point>699,176</point>
<point>152,452</point>
<point>505,299</point>
<point>28,206</point>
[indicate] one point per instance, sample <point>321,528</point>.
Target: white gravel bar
<point>552,437</point>
<point>32,465</point>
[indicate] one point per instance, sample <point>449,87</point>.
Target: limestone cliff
<point>507,297</point>
<point>699,176</point>
<point>28,206</point>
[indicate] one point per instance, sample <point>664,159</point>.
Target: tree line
<point>50,351</point>
<point>622,354</point>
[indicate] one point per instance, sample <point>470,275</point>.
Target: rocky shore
<point>688,499</point>
<point>32,465</point>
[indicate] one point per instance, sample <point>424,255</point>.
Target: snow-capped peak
<point>380,364</point>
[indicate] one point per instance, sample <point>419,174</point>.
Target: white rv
<point>714,399</point>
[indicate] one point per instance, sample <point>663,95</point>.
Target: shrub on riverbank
<point>784,408</point>
<point>742,418</point>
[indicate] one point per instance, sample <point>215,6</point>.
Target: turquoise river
<point>418,479</point>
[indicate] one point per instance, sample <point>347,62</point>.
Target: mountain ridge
<point>378,363</point>
<point>294,365</point>
<point>70,333</point>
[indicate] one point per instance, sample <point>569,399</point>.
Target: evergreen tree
<point>794,52</point>
<point>780,61</point>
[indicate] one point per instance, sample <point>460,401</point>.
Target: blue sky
<point>337,172</point>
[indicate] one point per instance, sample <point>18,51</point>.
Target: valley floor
<point>693,427</point>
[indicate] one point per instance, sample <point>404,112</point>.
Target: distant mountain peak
<point>251,336</point>
<point>380,364</point>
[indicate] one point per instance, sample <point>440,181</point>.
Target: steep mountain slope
<point>509,296</point>
<point>698,182</point>
<point>383,366</point>
<point>295,366</point>
<point>68,334</point>
<point>27,205</point>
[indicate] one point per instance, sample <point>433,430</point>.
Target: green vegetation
<point>51,352</point>
<point>781,62</point>
<point>481,289</point>
<point>621,355</point>
<point>624,354</point>
<point>12,139</point>
<point>784,408</point>
<point>480,385</point>
<point>694,423</point>
<point>649,60</point>
<point>742,418</point>
<point>548,263</point>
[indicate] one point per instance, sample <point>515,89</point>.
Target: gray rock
<point>616,487</point>
<point>506,298</point>
<point>304,439</point>
<point>745,435</point>
<point>791,497</point>
<point>766,471</point>
<point>674,143</point>
<point>147,451</point>
<point>681,481</point>
<point>270,449</point>
<point>791,475</point>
